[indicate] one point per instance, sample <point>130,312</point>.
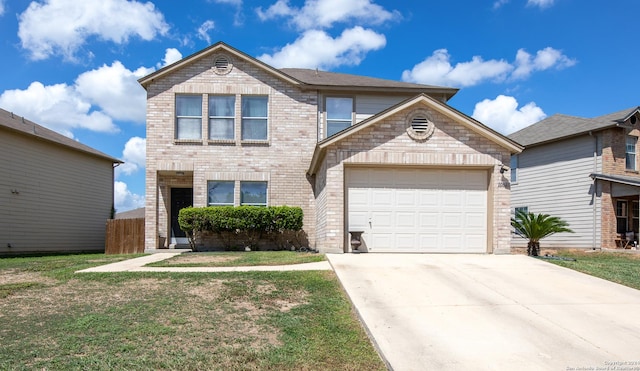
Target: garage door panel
<point>428,220</point>
<point>475,199</point>
<point>451,220</point>
<point>358,199</point>
<point>475,220</point>
<point>381,198</point>
<point>405,219</point>
<point>428,198</point>
<point>405,198</point>
<point>358,220</point>
<point>413,210</point>
<point>381,219</point>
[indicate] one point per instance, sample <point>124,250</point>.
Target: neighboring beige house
<point>56,194</point>
<point>583,170</point>
<point>388,158</point>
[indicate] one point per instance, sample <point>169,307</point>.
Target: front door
<point>180,198</point>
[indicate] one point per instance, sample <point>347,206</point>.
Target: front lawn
<point>53,319</point>
<point>623,268</point>
<point>238,259</point>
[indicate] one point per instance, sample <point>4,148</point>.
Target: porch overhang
<point>621,186</point>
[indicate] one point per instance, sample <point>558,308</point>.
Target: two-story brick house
<point>584,170</point>
<point>388,158</point>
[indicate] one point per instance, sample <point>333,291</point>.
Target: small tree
<point>535,227</point>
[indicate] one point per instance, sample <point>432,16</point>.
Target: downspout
<point>595,189</point>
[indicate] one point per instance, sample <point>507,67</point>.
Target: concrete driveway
<point>488,312</point>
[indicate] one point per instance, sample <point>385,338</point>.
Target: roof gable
<point>18,124</point>
<point>211,50</point>
<point>432,103</point>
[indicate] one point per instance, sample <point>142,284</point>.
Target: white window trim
<point>222,140</point>
<point>266,203</point>
<point>175,128</point>
<point>326,113</point>
<point>266,118</point>
<point>631,140</point>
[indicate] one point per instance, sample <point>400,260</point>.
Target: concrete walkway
<point>138,265</point>
<point>488,312</point>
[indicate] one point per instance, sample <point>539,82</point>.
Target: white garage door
<point>418,210</point>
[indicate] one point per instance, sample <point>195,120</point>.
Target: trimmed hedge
<point>249,221</point>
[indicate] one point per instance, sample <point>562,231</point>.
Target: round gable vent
<point>420,126</point>
<point>222,64</point>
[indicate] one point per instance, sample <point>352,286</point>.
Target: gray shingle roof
<point>14,122</point>
<point>334,79</point>
<point>560,126</point>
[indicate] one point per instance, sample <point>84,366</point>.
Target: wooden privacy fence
<point>124,236</point>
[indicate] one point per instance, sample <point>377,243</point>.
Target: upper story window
<point>222,113</point>
<point>220,193</point>
<point>339,111</point>
<point>188,117</point>
<point>630,153</point>
<point>513,164</point>
<point>254,117</point>
<point>253,193</point>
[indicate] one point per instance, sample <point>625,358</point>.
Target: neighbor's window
<point>514,168</point>
<point>222,114</point>
<point>220,193</point>
<point>339,114</point>
<point>188,116</point>
<point>254,117</point>
<point>253,193</point>
<point>524,209</point>
<point>621,216</point>
<point>631,152</point>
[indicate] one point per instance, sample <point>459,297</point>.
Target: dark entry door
<point>180,198</point>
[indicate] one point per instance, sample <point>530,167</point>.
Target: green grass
<point>238,259</point>
<point>171,321</point>
<point>622,268</point>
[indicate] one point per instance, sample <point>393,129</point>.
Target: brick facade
<point>294,128</point>
<point>387,143</point>
<point>614,163</point>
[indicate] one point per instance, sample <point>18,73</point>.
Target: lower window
<point>253,193</point>
<point>220,193</point>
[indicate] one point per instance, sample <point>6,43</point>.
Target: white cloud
<point>324,13</point>
<point>238,18</point>
<point>133,155</point>
<point>503,115</point>
<point>62,27</point>
<point>59,107</point>
<point>540,3</point>
<point>203,30</point>
<point>97,99</point>
<point>124,199</point>
<point>544,59</point>
<point>499,3</point>
<point>116,90</point>
<point>438,70</point>
<point>1,7</point>
<point>171,55</point>
<point>317,49</point>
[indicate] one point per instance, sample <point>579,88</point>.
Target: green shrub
<point>249,223</point>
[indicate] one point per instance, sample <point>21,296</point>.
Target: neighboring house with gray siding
<point>356,153</point>
<point>56,194</point>
<point>584,170</point>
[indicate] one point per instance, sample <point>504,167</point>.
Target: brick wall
<point>387,142</point>
<point>282,160</point>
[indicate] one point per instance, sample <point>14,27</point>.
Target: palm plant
<point>535,227</point>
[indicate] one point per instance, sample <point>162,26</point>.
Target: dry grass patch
<point>177,321</point>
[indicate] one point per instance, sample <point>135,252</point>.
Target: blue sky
<point>73,65</point>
